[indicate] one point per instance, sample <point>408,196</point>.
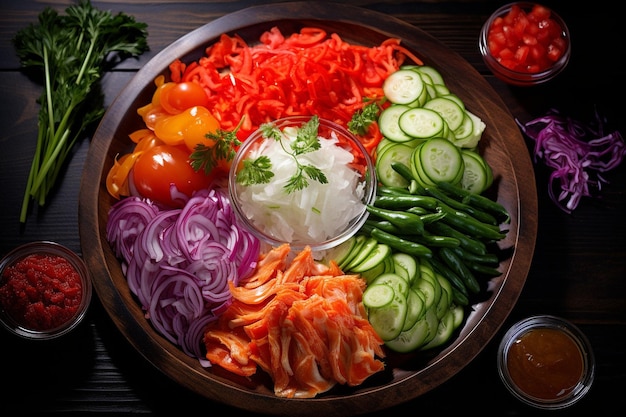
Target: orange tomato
<point>189,127</point>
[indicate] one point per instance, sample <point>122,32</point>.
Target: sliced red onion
<point>179,262</point>
<point>577,153</point>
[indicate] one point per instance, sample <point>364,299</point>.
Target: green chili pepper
<point>407,222</point>
<point>405,201</point>
<point>400,244</point>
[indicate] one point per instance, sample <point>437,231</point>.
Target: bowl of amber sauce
<point>546,362</point>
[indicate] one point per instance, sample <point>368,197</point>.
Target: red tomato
<point>526,41</point>
<point>177,97</point>
<point>158,167</point>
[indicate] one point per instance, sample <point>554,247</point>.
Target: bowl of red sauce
<point>546,362</point>
<point>45,290</point>
<point>525,43</point>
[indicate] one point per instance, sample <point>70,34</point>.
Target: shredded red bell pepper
<point>307,73</point>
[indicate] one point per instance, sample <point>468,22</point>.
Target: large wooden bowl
<point>406,376</point>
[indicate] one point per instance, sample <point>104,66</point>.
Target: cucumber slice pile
<point>433,123</point>
<point>409,304</point>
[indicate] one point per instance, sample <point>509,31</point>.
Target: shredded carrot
<point>306,73</point>
<point>302,322</point>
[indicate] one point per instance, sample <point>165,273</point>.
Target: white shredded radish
<point>315,213</point>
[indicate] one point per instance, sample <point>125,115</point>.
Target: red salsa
<point>40,291</point>
<point>526,41</point>
<point>545,363</point>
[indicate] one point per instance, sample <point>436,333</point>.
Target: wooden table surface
<point>578,270</point>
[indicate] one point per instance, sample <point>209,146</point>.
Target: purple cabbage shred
<point>578,154</point>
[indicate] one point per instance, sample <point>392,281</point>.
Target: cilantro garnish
<point>362,119</point>
<point>259,170</point>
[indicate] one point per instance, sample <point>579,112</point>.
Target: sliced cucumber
<point>427,290</point>
<point>403,86</point>
<point>372,273</point>
<point>395,281</point>
<point>414,308</point>
<point>366,249</point>
<point>389,320</point>
<point>411,339</point>
<point>354,251</point>
<point>375,257</point>
<point>408,263</point>
<point>451,112</point>
<point>464,130</point>
<point>456,99</point>
<point>378,296</point>
<point>443,332</point>
<point>340,252</point>
<point>471,141</point>
<point>436,288</point>
<point>397,152</point>
<point>459,315</point>
<point>437,160</point>
<point>432,72</point>
<point>422,123</point>
<point>382,145</point>
<point>433,323</point>
<point>388,123</point>
<point>477,175</point>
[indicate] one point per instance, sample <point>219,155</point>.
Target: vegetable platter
<point>405,376</point>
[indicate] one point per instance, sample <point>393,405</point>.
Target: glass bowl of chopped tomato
<point>525,43</point>
<point>45,290</point>
<point>302,180</point>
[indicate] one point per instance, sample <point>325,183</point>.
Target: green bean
<point>391,190</point>
<point>400,244</point>
<point>466,242</point>
<point>477,200</point>
<point>457,265</point>
<point>483,269</point>
<point>457,205</point>
<point>449,274</point>
<point>470,225</point>
<point>434,241</point>
<point>487,258</point>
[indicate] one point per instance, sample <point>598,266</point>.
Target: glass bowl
<point>45,290</point>
<point>526,41</point>
<point>318,214</point>
<point>546,362</point>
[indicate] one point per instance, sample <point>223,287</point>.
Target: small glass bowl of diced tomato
<point>45,290</point>
<point>525,43</point>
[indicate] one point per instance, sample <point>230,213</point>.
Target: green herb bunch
<point>68,54</point>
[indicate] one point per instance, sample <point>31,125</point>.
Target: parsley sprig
<point>259,170</point>
<point>207,157</point>
<point>362,119</point>
<point>68,55</point>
